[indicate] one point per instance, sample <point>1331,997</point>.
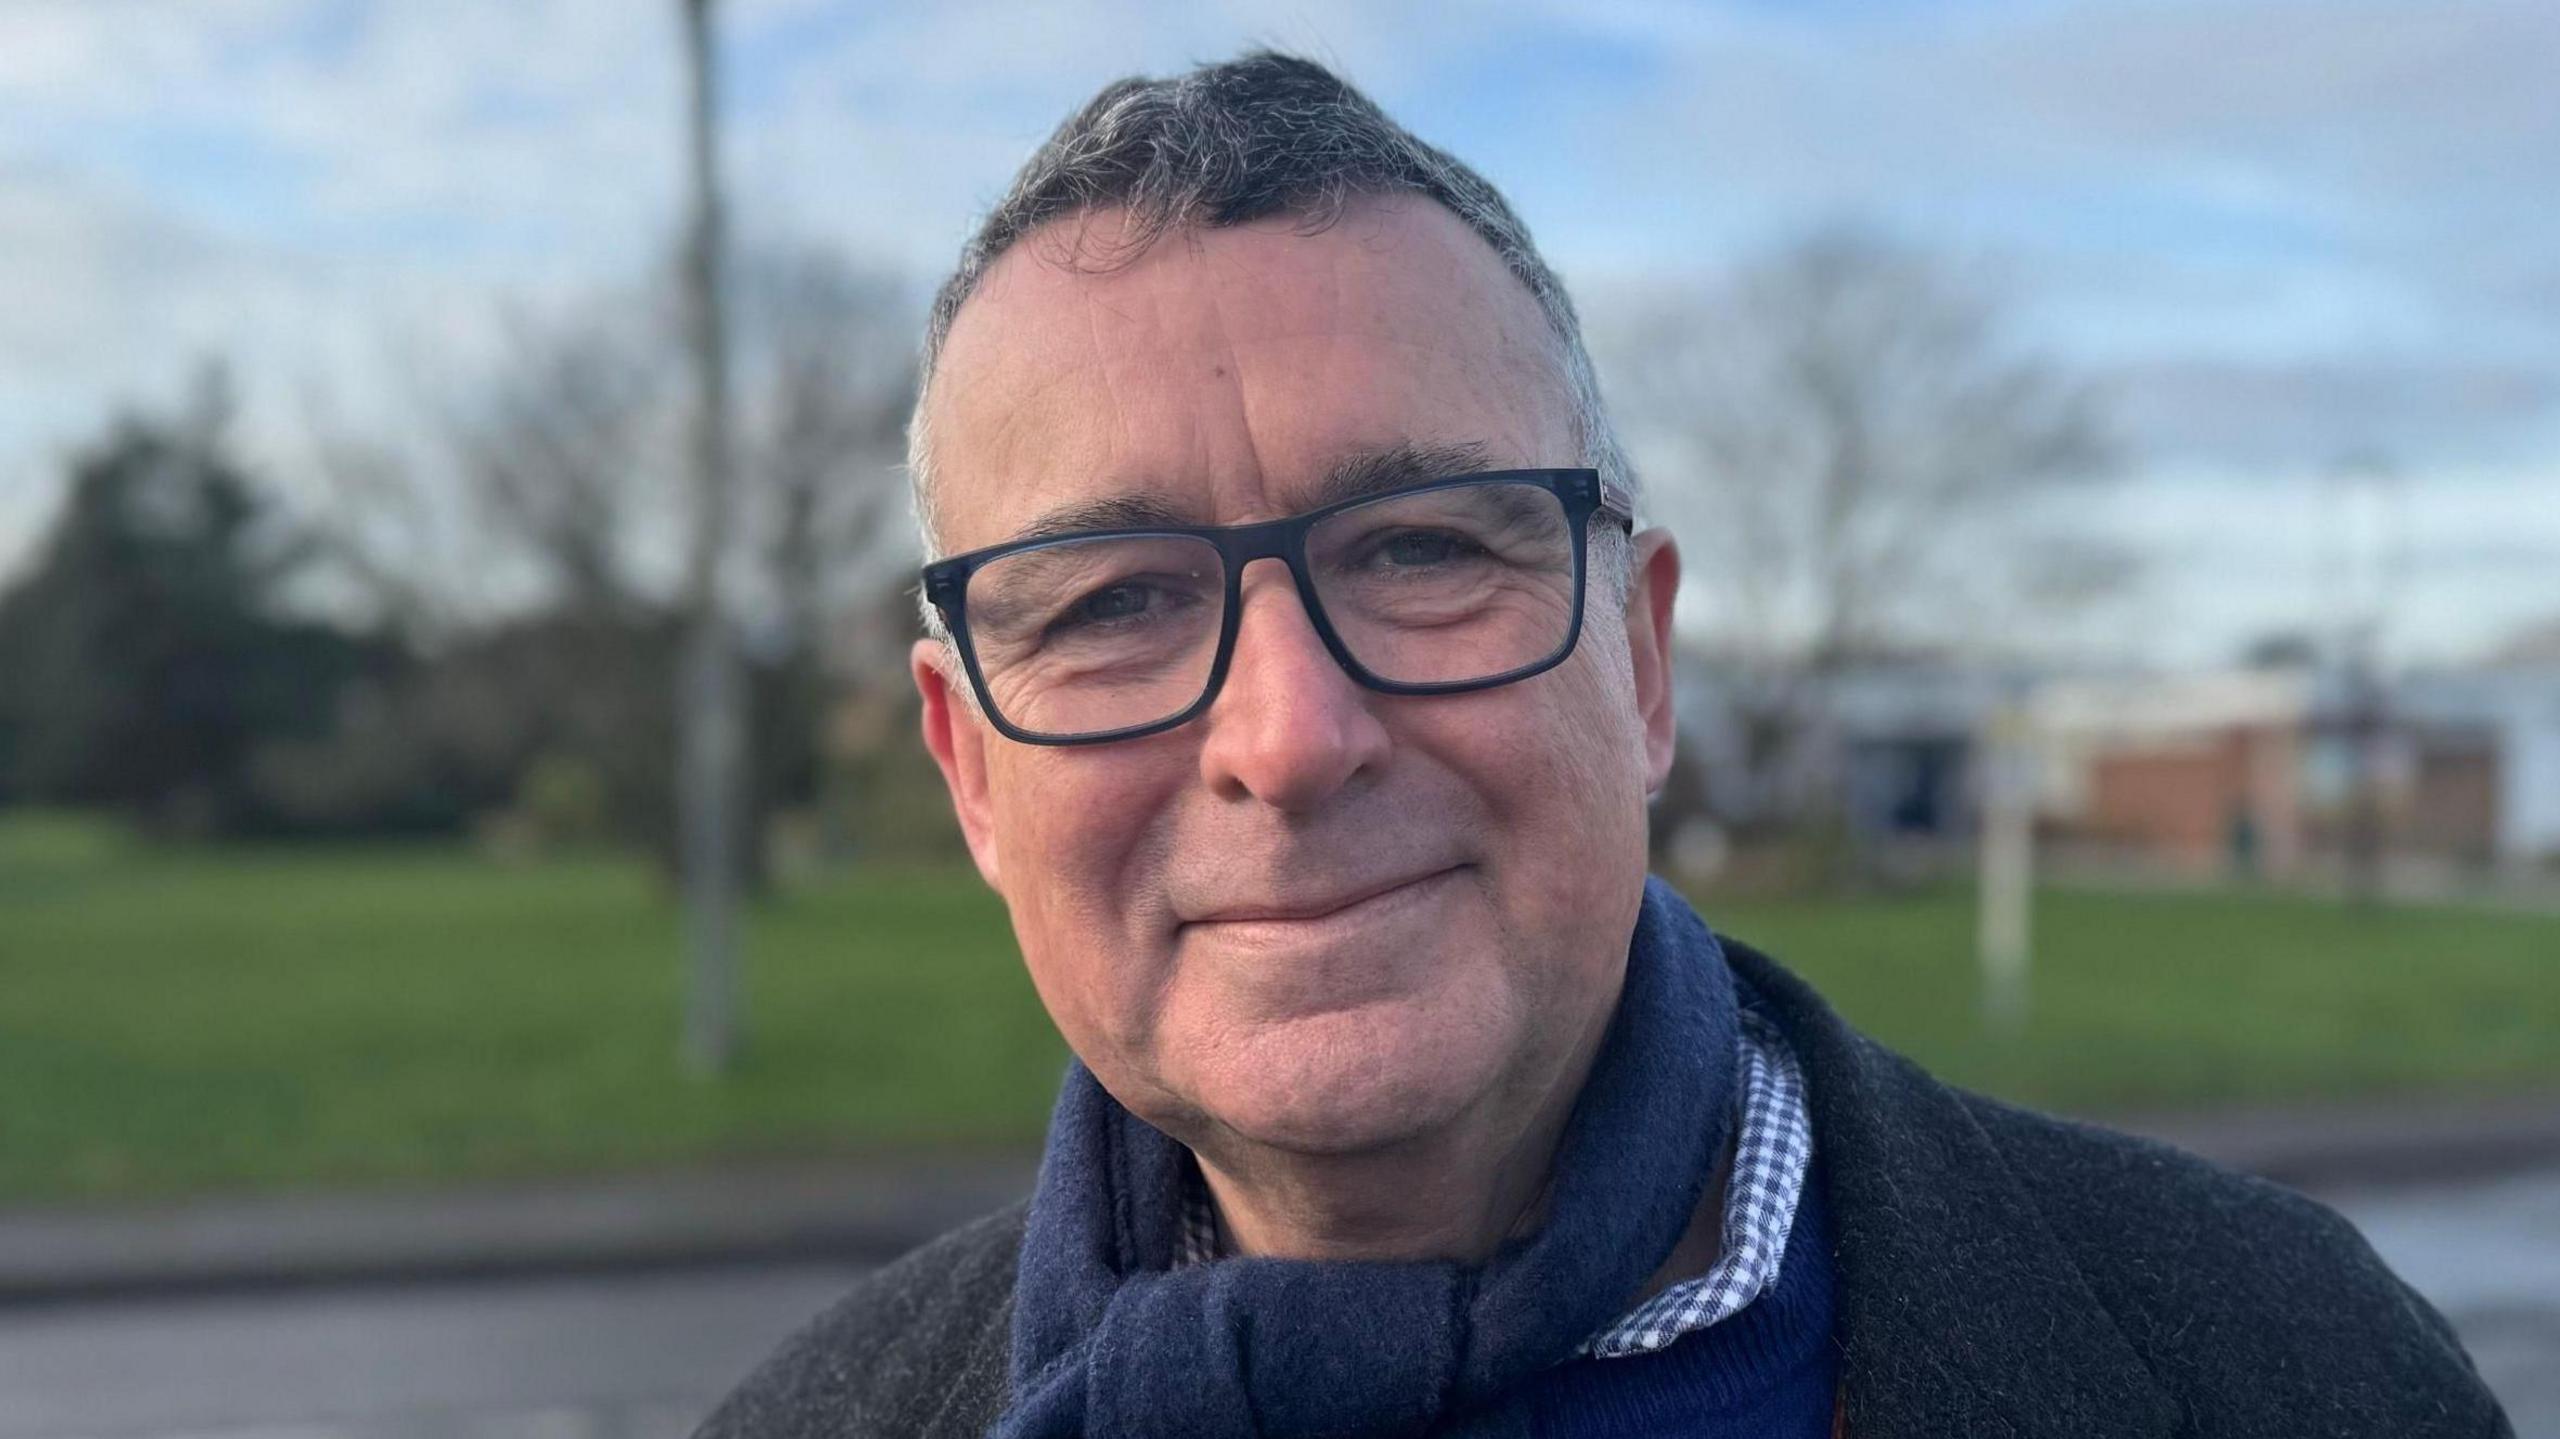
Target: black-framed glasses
<point>1451,585</point>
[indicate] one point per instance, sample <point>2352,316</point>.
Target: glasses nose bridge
<point>1283,540</point>
<point>1280,540</point>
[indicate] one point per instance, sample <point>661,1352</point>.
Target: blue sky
<point>2276,230</point>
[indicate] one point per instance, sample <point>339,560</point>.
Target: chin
<point>1351,1082</point>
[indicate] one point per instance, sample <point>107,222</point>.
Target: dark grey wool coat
<point>2000,1273</point>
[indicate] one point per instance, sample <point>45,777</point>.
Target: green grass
<point>2161,1000</point>
<point>185,1020</point>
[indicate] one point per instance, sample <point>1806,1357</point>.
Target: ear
<point>958,739</point>
<point>1653,582</point>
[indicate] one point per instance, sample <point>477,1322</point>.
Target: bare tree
<point>529,536</point>
<point>550,479</point>
<point>537,481</point>
<point>1858,454</point>
<point>559,452</point>
<point>830,365</point>
<point>1842,421</point>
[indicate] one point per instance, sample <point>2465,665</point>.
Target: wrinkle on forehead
<point>1225,360</point>
<point>1094,310</point>
<point>1230,365</point>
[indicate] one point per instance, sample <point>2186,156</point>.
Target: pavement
<point>2323,1147</point>
<point>860,1212</point>
<point>866,1211</point>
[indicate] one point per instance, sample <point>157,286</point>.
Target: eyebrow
<point>1355,475</point>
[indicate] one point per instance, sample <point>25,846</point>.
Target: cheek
<point>1569,752</point>
<point>1599,708</point>
<point>1581,853</point>
<point>1079,848</point>
<point>1559,768</point>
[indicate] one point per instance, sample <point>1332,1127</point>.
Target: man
<point>1300,677</point>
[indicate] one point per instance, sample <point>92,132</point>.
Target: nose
<point>1288,728</point>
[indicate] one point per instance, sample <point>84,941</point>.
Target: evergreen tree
<point>146,655</point>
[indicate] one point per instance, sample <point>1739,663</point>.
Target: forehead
<point>1222,373</point>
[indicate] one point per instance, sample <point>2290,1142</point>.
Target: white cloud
<point>2270,217</point>
<point>2463,559</point>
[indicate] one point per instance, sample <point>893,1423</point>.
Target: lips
<point>1325,904</point>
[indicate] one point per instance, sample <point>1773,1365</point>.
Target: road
<point>598,1357</point>
<point>2488,1255</point>
<point>640,1356</point>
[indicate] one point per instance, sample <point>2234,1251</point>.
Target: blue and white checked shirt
<point>1769,1160</point>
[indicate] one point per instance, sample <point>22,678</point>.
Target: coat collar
<point>1959,1312</point>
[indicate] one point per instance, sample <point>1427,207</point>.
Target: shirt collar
<point>1774,1145</point>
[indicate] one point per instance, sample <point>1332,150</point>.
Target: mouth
<point>1345,905</point>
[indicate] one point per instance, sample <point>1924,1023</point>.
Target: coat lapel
<point>1959,1312</point>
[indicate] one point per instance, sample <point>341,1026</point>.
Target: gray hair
<point>1260,135</point>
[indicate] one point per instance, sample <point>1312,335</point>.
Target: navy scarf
<point>1109,1339</point>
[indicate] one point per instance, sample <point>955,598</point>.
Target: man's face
<point>1315,918</point>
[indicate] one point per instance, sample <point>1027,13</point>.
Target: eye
<point>1118,605</point>
<point>1414,549</point>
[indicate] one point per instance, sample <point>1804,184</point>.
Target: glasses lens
<point>1448,585</point>
<point>1086,636</point>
